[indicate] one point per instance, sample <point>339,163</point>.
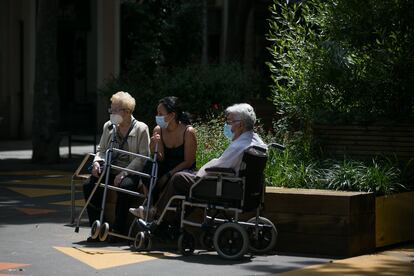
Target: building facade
<point>89,53</point>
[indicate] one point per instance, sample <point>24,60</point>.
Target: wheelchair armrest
<point>220,171</point>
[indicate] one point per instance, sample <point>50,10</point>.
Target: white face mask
<point>115,119</point>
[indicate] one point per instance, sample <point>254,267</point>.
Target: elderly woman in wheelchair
<point>223,188</point>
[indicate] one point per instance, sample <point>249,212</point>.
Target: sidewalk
<point>36,239</point>
<point>396,261</point>
<point>22,149</point>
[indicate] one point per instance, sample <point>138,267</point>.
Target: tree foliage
<point>160,33</point>
<point>165,61</point>
<point>343,59</point>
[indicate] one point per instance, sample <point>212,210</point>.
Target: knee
<point>88,186</point>
<point>129,182</point>
<point>179,183</point>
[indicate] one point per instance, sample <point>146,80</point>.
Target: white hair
<point>243,112</point>
<point>124,99</point>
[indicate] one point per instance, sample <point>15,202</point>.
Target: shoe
<point>147,226</point>
<point>138,212</point>
<point>90,239</point>
<point>141,211</point>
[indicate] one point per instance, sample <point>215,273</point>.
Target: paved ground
<point>37,239</point>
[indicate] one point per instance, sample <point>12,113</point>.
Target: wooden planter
<point>322,222</point>
<point>394,216</point>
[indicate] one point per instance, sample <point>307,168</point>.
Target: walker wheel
<point>262,239</point>
<point>186,244</point>
<point>231,241</point>
<point>95,229</point>
<point>103,233</point>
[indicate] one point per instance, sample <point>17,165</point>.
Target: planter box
<point>322,222</point>
<point>394,219</point>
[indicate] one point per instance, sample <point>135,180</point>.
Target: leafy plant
<point>342,60</point>
<point>210,140</point>
<point>290,169</point>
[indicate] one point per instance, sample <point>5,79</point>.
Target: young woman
<point>177,145</point>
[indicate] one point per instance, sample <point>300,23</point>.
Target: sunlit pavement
<point>36,239</point>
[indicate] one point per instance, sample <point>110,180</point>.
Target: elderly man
<point>240,120</point>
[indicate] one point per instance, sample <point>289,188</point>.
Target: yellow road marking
<point>102,259</point>
<point>4,266</point>
<point>61,181</point>
<point>78,202</point>
<point>33,192</point>
<point>36,211</point>
<point>36,173</point>
<point>376,264</point>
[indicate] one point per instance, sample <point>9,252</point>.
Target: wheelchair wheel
<point>266,236</point>
<point>142,242</point>
<point>103,233</point>
<point>206,240</point>
<point>95,229</point>
<point>231,241</point>
<point>186,244</point>
<point>133,228</point>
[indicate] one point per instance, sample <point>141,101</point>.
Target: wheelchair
<point>223,196</point>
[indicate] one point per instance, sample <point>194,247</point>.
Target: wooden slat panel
<point>366,141</point>
<point>401,127</point>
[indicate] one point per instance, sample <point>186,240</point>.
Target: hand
<point>118,179</point>
<point>96,169</point>
<point>155,139</point>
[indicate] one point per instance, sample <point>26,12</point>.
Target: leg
<point>123,202</point>
<point>179,184</point>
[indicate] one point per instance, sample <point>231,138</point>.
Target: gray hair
<point>243,112</point>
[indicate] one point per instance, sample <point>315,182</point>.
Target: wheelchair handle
<point>277,146</point>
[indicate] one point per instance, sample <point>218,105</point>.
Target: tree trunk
<point>46,113</point>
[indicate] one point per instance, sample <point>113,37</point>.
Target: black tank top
<point>174,156</point>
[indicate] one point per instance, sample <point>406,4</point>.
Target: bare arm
<point>156,138</point>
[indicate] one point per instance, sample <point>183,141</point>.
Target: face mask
<point>160,120</point>
<point>227,131</point>
<point>115,119</point>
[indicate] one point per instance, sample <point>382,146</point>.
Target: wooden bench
<point>322,222</point>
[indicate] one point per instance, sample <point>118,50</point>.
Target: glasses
<point>231,122</point>
<point>115,110</point>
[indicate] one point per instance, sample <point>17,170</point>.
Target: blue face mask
<point>160,120</point>
<point>227,131</point>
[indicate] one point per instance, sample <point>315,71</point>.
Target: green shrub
<point>344,60</point>
<point>211,142</point>
<point>284,170</point>
<point>347,175</point>
<point>292,170</point>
